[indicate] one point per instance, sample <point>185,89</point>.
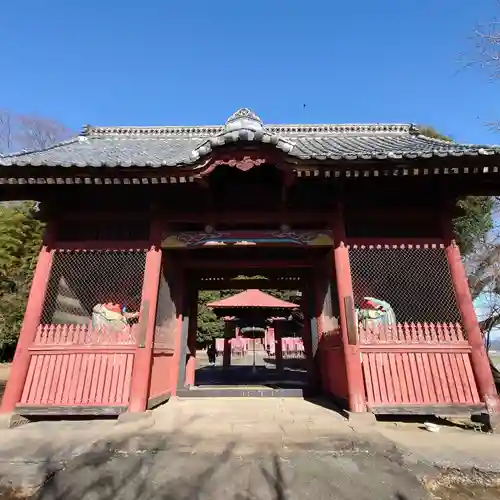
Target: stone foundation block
<point>10,420</point>
<point>491,421</point>
<point>366,418</point>
<point>127,417</point>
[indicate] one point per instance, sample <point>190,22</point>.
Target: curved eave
<point>396,155</point>
<point>18,161</point>
<point>248,136</point>
<point>6,162</point>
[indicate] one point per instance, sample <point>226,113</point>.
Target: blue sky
<point>195,62</point>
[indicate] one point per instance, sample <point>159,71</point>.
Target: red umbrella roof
<point>253,298</point>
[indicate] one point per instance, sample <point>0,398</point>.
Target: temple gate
<point>361,214</point>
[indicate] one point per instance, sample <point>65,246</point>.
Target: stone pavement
<point>237,449</point>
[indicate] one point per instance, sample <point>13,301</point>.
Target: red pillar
<point>141,374</point>
<point>354,373</point>
<point>226,356</point>
<point>32,316</point>
<point>306,338</point>
<point>479,356</point>
<point>179,347</point>
<point>278,342</point>
<point>191,364</point>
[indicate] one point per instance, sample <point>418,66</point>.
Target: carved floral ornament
<point>245,161</point>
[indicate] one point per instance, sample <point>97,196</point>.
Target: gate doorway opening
<point>244,355</point>
<point>228,286</point>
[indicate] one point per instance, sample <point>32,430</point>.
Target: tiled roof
<point>176,146</point>
<point>252,298</point>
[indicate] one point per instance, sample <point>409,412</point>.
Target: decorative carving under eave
<point>245,161</point>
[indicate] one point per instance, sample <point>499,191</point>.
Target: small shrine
<point>258,319</point>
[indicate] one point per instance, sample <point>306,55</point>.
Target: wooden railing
<point>63,335</point>
<point>77,366</point>
<point>417,364</point>
<point>412,333</point>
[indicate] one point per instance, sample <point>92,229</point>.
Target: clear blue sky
<point>195,62</point>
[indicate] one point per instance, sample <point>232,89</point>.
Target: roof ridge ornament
<point>243,118</point>
<point>206,131</point>
<point>413,129</point>
<point>242,125</point>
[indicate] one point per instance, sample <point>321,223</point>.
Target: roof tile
<point>175,146</point>
<point>252,298</point>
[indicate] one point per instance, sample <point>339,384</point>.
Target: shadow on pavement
<point>174,466</point>
<point>104,474</point>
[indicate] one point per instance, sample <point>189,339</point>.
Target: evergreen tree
<point>20,238</point>
<point>20,231</point>
<point>209,326</point>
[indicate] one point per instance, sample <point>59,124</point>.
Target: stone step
<point>239,392</point>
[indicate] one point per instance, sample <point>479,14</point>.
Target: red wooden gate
<point>332,365</point>
<point>73,365</point>
<point>417,364</point>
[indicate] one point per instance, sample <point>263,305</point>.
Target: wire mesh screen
<point>414,281</point>
<point>82,281</point>
<point>166,312</point>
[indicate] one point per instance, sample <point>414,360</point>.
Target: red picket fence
<point>83,335</point>
<point>416,364</point>
<point>74,365</point>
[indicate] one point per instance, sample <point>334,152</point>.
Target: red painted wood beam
<point>143,362</point>
<point>229,328</point>
<point>179,297</point>
<point>34,309</point>
<point>191,263</point>
<point>191,341</point>
<point>291,215</point>
<point>355,386</point>
<point>103,245</point>
<point>396,241</point>
<point>278,349</point>
<point>246,284</point>
<point>479,356</point>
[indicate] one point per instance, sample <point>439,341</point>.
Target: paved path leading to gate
<point>235,449</point>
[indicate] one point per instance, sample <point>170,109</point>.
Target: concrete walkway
<point>237,449</point>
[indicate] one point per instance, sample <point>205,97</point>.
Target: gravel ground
<point>460,485</point>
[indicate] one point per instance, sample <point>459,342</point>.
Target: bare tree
<point>482,264</point>
<point>487,46</point>
<point>29,132</point>
<point>35,132</point>
<point>5,130</point>
<point>483,269</point>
